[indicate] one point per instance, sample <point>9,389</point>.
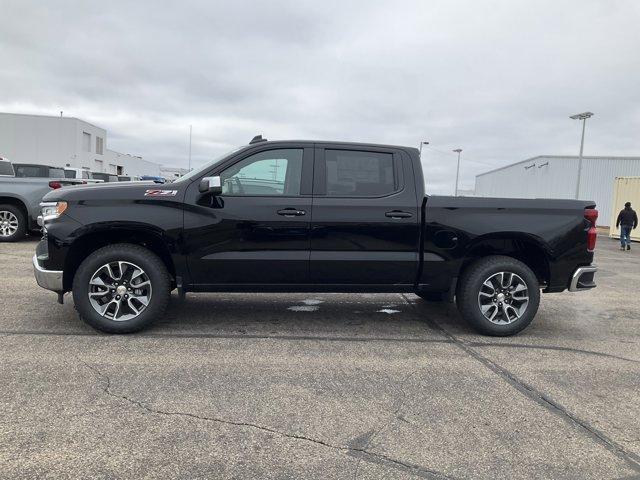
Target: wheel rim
<point>119,291</point>
<point>503,298</point>
<point>8,223</point>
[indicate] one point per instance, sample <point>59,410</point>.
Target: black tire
<point>152,266</point>
<point>471,284</point>
<point>7,213</point>
<point>431,296</point>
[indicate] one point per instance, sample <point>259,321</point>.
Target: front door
<point>257,231</point>
<point>365,224</point>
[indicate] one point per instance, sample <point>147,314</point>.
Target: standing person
<point>627,219</point>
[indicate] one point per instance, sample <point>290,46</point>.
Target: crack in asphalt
<point>352,450</point>
<point>552,347</point>
<point>369,436</point>
<point>631,459</point>
<point>323,338</point>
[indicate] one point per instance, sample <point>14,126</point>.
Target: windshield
<point>187,177</point>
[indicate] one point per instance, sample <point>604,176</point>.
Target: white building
<point>550,176</point>
<point>65,142</point>
<point>466,192</point>
<point>128,164</point>
<point>172,173</point>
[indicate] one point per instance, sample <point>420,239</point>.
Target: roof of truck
<point>330,142</point>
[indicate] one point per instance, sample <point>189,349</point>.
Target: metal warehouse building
<point>65,142</point>
<point>551,176</point>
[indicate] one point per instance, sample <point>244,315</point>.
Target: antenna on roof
<point>257,139</point>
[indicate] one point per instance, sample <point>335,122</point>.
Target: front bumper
<point>49,279</point>
<point>583,278</point>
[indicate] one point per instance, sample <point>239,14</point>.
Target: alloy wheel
<point>8,223</point>
<point>503,298</point>
<point>119,291</point>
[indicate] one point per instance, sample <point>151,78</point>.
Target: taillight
<point>55,185</point>
<point>591,214</point>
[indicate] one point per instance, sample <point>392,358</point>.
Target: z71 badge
<point>160,193</point>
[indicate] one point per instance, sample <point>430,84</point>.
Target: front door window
<point>273,172</point>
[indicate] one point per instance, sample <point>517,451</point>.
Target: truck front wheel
<point>498,295</point>
<point>121,288</point>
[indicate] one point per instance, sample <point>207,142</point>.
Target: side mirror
<point>211,185</point>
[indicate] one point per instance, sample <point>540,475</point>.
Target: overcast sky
<point>498,79</point>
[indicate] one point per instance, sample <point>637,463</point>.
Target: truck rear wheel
<point>498,295</point>
<point>13,223</point>
<point>121,288</point>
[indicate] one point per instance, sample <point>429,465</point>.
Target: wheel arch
<point>151,238</point>
<point>16,201</point>
<point>530,250</point>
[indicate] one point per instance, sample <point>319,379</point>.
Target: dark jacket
<point>627,217</point>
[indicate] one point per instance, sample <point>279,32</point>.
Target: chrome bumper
<point>49,279</point>
<point>582,278</point>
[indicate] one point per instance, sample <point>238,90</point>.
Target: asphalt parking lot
<point>321,386</point>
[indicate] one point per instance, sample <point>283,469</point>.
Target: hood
<point>107,191</point>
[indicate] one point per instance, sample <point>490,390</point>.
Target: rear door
<point>365,222</point>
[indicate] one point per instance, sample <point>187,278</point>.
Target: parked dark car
<point>310,217</point>
<point>34,170</point>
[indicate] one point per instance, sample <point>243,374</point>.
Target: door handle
<point>397,214</point>
<point>291,212</point>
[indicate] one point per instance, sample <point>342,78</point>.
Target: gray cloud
<point>495,78</point>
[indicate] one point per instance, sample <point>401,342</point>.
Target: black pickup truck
<point>303,216</point>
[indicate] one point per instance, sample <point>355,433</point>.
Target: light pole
<point>422,143</point>
<point>458,151</point>
<point>581,116</point>
<point>190,130</point>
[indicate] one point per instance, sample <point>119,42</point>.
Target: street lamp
<point>422,143</point>
<point>580,116</point>
<point>190,130</point>
<point>458,151</point>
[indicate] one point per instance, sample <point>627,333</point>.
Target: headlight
<point>52,210</point>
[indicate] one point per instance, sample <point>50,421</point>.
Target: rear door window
<point>56,173</point>
<point>351,173</point>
